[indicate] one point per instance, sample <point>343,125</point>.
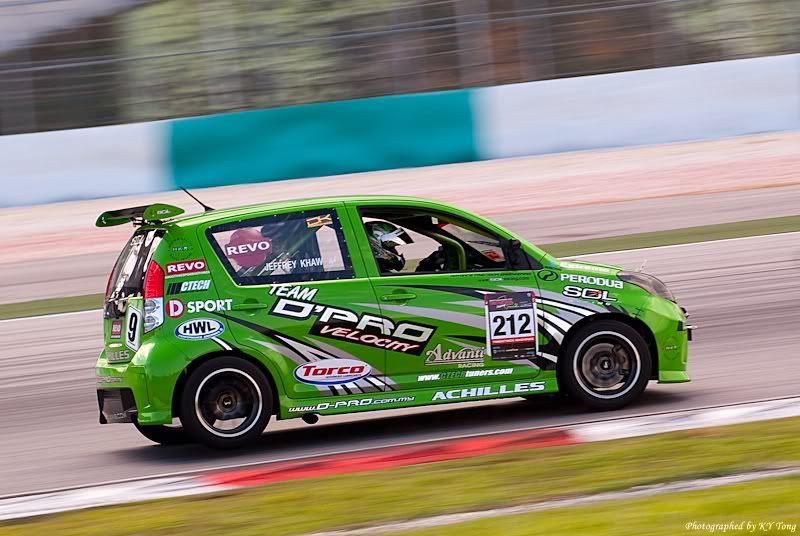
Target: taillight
<point>153,297</point>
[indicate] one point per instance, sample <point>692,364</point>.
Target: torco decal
<point>366,329</point>
<point>186,267</point>
<point>332,371</point>
<point>199,328</point>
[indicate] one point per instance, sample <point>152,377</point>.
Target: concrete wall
<point>692,102</point>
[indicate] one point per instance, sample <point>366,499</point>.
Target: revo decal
<point>186,267</point>
<point>332,371</point>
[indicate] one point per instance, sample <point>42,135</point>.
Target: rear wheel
<point>606,365</point>
<point>226,403</point>
<point>163,434</point>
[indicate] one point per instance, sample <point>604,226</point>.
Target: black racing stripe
<point>576,306</point>
<point>274,335</point>
<point>346,390</point>
<point>473,338</point>
<point>333,391</point>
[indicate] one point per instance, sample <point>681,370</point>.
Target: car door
<point>293,284</point>
<point>438,305</point>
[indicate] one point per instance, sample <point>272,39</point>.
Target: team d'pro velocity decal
<point>511,325</point>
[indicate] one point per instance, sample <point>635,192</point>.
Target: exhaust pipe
<point>310,418</point>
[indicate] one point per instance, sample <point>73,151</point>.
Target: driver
<point>384,237</point>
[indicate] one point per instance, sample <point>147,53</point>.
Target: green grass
<point>51,306</point>
<point>562,249</point>
<point>430,489</point>
<point>776,500</point>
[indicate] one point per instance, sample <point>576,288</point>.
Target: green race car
<point>215,322</point>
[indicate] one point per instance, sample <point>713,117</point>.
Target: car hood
<point>589,267</point>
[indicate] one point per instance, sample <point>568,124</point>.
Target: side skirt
<point>293,408</point>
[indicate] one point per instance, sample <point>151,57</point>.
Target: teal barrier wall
<point>322,139</point>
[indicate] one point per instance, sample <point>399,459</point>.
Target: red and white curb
<point>34,504</point>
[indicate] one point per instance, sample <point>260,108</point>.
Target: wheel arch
<point>177,392</point>
<point>640,327</point>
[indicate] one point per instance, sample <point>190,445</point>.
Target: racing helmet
<point>384,237</point>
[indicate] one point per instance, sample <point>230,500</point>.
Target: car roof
<point>247,210</point>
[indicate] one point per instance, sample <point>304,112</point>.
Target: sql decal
<point>489,390</point>
<point>366,329</point>
<point>332,371</point>
<point>587,293</point>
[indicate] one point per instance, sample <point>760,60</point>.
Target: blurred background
<point>82,63</point>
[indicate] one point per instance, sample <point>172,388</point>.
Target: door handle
<point>249,306</point>
<point>398,297</point>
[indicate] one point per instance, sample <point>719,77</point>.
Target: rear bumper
<point>123,394</point>
<point>116,405</point>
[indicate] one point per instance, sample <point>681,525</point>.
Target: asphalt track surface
<point>742,293</point>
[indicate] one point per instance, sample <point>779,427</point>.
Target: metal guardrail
<point>79,63</point>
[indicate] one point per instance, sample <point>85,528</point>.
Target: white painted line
<point>51,315</point>
<point>670,246</point>
<point>628,494</point>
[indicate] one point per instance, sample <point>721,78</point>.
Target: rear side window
<point>299,246</point>
<point>127,277</point>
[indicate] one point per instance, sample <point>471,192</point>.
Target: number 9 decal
<point>133,328</point>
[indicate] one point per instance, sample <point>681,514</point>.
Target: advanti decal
<point>332,371</point>
<point>462,356</point>
<point>476,392</point>
<point>199,329</point>
<point>195,266</point>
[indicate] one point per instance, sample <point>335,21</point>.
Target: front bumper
<point>667,321</point>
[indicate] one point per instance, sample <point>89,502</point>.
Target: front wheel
<point>606,365</point>
<point>226,403</point>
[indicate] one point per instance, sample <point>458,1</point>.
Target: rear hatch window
<point>127,278</point>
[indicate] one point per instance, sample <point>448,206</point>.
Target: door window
<point>284,248</point>
<point>408,241</point>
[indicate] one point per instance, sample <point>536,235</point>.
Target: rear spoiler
<point>155,213</point>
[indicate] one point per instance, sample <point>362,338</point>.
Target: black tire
<point>163,435</point>
<point>226,389</point>
<point>605,366</point>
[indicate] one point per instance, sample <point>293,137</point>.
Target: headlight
<point>651,284</point>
